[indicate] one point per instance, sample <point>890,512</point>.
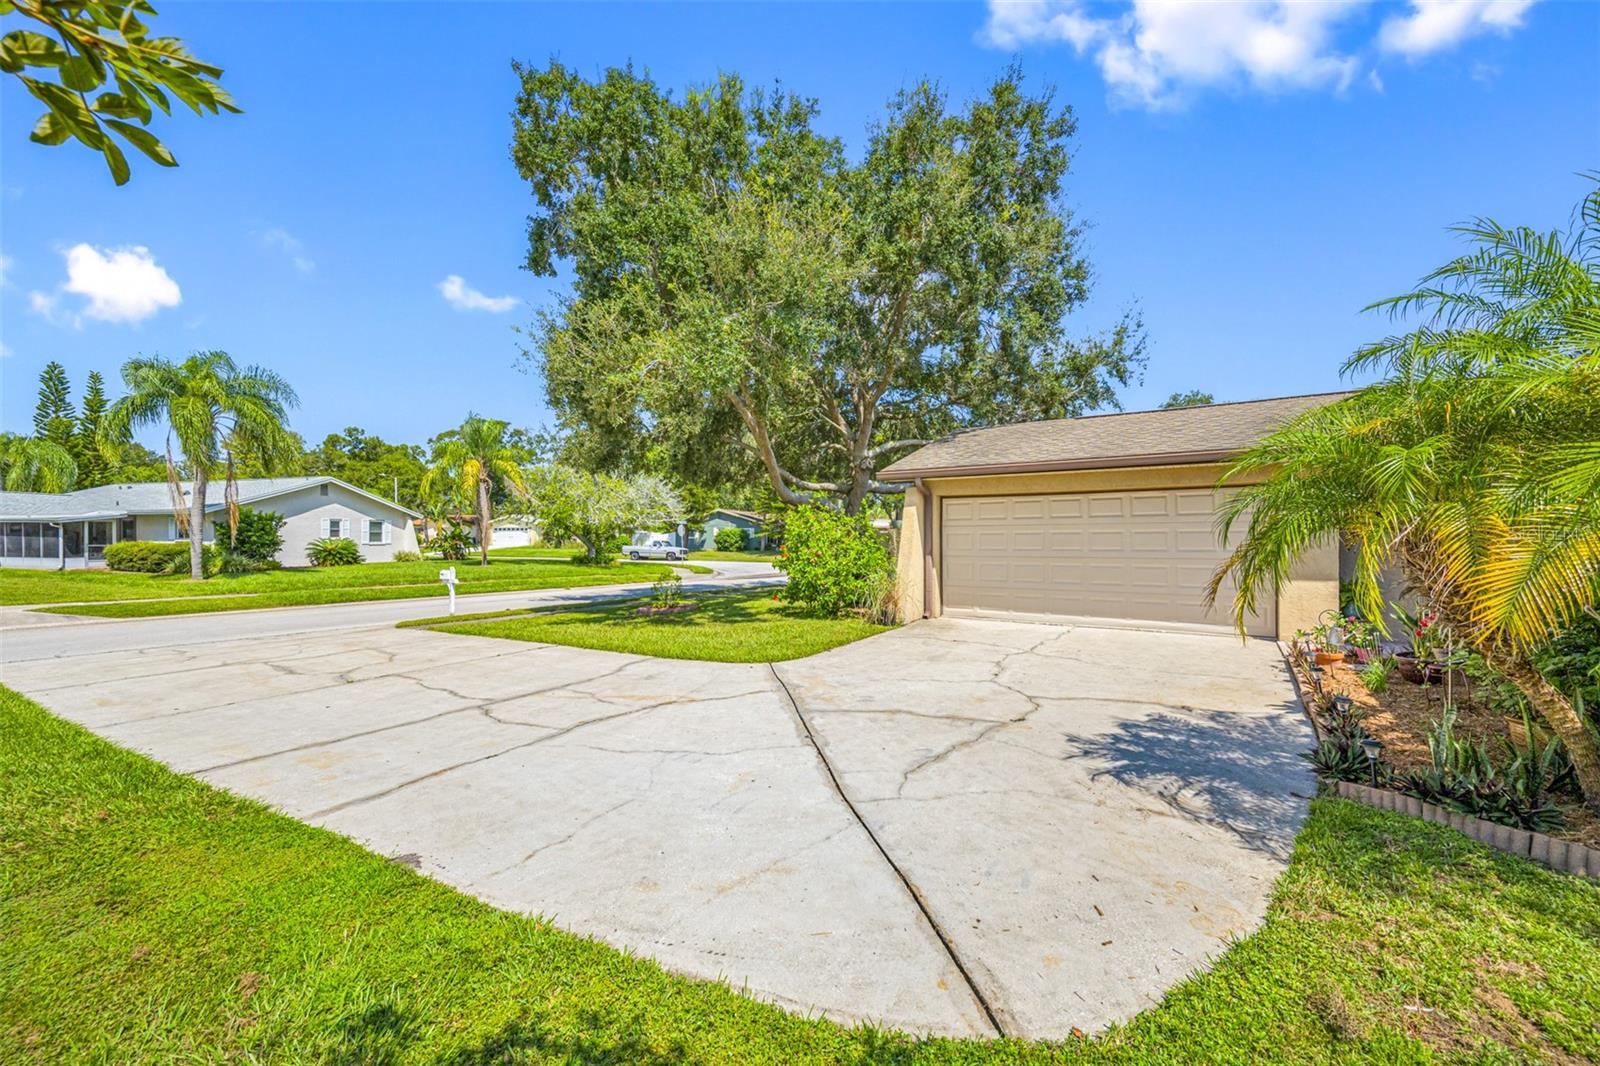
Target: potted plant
<point>1414,663</point>
<point>1362,638</point>
<point>1328,641</point>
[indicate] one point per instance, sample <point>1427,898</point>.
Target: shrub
<point>146,556</point>
<point>730,539</point>
<point>407,557</point>
<point>232,563</point>
<point>452,542</point>
<point>259,535</point>
<point>834,561</point>
<point>333,551</point>
<point>210,560</point>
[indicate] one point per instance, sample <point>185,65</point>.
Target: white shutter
<point>172,529</point>
<point>327,527</point>
<point>387,528</point>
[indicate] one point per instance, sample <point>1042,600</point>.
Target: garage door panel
<point>1142,556</point>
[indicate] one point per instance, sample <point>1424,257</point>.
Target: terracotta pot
<point>1327,658</point>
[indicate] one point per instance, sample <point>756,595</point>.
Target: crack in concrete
<point>567,839</point>
<point>329,741</point>
<point>910,886</point>
<point>552,734</point>
<point>994,725</point>
<point>441,771</point>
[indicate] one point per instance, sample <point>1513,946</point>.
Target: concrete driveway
<point>959,827</point>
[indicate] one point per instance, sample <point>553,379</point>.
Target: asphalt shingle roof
<point>145,497</point>
<point>1179,435</point>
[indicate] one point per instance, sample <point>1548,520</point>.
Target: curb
<point>1566,856</point>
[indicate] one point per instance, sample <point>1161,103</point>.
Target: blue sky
<point>1251,175</point>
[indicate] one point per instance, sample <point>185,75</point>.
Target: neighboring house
<point>512,533</point>
<point>46,530</point>
<point>1105,517</point>
<point>754,525</point>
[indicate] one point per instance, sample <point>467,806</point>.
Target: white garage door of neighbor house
<point>1132,556</point>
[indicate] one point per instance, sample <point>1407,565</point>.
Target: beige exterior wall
<point>1312,588</point>
<point>909,563</point>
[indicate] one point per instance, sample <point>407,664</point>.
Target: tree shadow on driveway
<point>1238,772</point>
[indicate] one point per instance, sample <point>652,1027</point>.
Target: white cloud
<point>118,284</point>
<point>282,240</point>
<point>463,297</point>
<point>1434,25</point>
<point>1158,54</point>
<point>5,350</point>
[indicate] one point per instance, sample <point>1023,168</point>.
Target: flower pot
<point>1326,658</point>
<point>1409,668</point>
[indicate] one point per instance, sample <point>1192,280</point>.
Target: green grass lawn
<point>749,627</point>
<point>122,595</point>
<point>734,557</point>
<point>149,918</point>
<point>524,552</point>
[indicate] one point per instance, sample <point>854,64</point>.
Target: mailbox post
<point>448,576</point>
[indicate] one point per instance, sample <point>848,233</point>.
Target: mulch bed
<point>1403,716</point>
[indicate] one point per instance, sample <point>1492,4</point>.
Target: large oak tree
<point>747,296</point>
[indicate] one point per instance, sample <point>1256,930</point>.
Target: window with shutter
<point>375,531</point>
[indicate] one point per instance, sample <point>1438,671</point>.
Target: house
<point>47,530</point>
<point>754,525</point>
<point>1101,518</point>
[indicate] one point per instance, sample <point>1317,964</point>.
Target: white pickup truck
<point>656,549</point>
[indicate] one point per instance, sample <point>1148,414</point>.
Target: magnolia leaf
<point>21,48</point>
<point>145,141</point>
<point>118,105</point>
<point>79,74</point>
<point>69,111</point>
<point>48,130</point>
<point>133,97</point>
<point>116,161</point>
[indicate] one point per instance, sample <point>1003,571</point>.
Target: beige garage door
<point>1140,556</point>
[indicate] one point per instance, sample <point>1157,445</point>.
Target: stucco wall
<point>909,564</point>
<point>303,511</point>
<point>1313,586</point>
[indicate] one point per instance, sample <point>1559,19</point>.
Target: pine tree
<point>93,469</point>
<point>54,418</point>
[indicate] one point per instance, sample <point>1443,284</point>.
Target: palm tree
<point>33,464</point>
<point>215,410</point>
<point>477,459</point>
<point>1474,464</point>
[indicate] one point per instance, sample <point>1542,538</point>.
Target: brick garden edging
<point>1568,856</point>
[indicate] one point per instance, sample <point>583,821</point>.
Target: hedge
<point>146,556</point>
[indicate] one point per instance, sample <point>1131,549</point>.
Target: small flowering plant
<point>1361,634</point>
<point>1422,628</point>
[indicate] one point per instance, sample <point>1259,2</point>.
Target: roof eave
<point>1047,466</point>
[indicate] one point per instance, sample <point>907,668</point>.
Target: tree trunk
<point>1559,713</point>
<point>197,525</point>
<point>484,528</point>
